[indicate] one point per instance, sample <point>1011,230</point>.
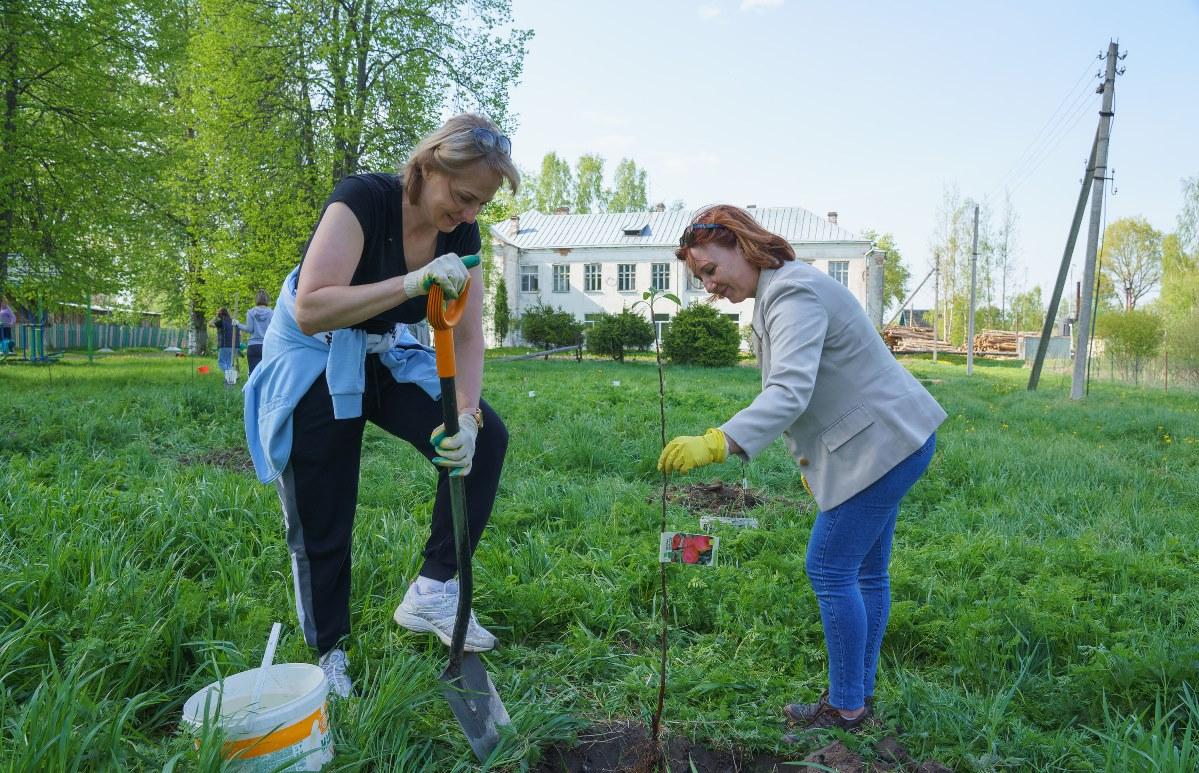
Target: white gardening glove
<point>448,271</point>
<point>457,451</point>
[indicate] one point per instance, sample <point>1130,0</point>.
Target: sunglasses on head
<point>688,237</point>
<point>487,140</point>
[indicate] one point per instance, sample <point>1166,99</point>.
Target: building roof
<point>655,229</point>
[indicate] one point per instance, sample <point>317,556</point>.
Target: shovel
<point>466,685</point>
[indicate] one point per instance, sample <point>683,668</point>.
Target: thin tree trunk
<point>7,208</point>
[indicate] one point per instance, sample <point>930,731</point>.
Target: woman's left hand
<point>686,452</point>
<point>456,452</point>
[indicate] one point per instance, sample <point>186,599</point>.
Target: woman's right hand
<point>448,272</point>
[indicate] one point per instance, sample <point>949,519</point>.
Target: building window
<point>528,279</point>
<point>625,277</point>
<point>694,282</point>
<point>591,277</point>
<point>736,318</point>
<point>659,276</point>
<point>562,278</point>
<point>661,322</point>
<point>839,270</point>
<point>589,320</point>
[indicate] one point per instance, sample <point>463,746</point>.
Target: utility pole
<point>936,298</point>
<point>1064,270</point>
<point>1081,353</point>
<point>970,319</point>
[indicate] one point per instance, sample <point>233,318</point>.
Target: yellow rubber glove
<point>686,452</point>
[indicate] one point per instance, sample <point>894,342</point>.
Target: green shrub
<point>614,333</point>
<point>700,335</point>
<point>548,327</point>
<point>1182,345</point>
<point>1131,337</point>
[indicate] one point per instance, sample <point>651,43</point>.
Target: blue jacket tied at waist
<point>292,361</point>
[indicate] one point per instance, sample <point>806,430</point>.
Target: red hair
<point>760,247</point>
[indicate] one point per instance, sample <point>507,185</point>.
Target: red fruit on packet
<point>676,547</point>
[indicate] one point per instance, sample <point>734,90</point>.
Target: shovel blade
<point>475,703</point>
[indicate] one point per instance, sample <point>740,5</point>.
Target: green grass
<point>1044,573</point>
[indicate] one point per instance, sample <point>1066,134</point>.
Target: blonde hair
<point>760,247</point>
<point>453,148</point>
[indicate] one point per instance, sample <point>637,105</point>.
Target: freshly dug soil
<point>713,498</point>
<point>627,747</point>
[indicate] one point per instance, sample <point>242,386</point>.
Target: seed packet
<point>676,547</point>
<point>707,521</point>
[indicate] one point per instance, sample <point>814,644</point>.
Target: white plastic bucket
<point>290,723</point>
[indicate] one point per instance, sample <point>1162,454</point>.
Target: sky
<point>873,110</point>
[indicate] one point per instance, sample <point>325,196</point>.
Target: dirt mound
<point>717,497</point>
<point>626,747</point>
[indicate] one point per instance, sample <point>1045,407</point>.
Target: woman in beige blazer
<point>861,428</point>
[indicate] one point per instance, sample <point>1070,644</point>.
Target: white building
<point>594,264</point>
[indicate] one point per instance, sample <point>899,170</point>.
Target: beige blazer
<point>847,410</point>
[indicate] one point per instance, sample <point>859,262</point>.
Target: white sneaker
<point>435,612</point>
<point>336,668</point>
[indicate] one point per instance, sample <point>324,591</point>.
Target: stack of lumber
<point>995,342</point>
<point>900,338</point>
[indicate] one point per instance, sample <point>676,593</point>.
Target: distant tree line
<point>181,150</point>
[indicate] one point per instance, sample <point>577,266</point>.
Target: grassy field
<point>1046,610</point>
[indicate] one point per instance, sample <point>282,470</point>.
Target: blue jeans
<point>224,357</point>
<point>848,554</point>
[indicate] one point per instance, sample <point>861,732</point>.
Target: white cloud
<point>709,11</point>
<point>760,5</point>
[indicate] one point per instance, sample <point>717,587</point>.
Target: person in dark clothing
<point>258,319</point>
<point>8,319</point>
<point>224,336</point>
<point>381,242</point>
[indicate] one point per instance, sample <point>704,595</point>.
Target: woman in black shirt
<point>382,241</point>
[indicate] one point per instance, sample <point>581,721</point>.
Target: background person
<point>8,320</point>
<point>861,428</point>
<point>224,336</point>
<point>258,319</point>
<point>337,354</point>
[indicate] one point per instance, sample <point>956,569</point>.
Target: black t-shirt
<point>375,199</point>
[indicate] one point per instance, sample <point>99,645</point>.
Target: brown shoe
<point>821,715</point>
<point>803,713</point>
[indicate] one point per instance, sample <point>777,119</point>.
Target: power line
<point>1071,96</point>
<point>1084,110</point>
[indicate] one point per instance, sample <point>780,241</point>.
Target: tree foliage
<point>590,194</point>
<point>501,316</point>
<point>613,334</point>
<point>182,151</point>
<point>701,335</point>
<point>1028,310</point>
<point>554,186</point>
<point>1131,337</point>
<point>81,142</point>
<point>895,274</point>
<point>1132,258</point>
<point>629,190</point>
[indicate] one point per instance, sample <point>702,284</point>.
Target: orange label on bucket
<point>277,739</point>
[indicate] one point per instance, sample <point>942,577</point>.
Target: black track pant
<point>253,355</point>
<point>319,492</point>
